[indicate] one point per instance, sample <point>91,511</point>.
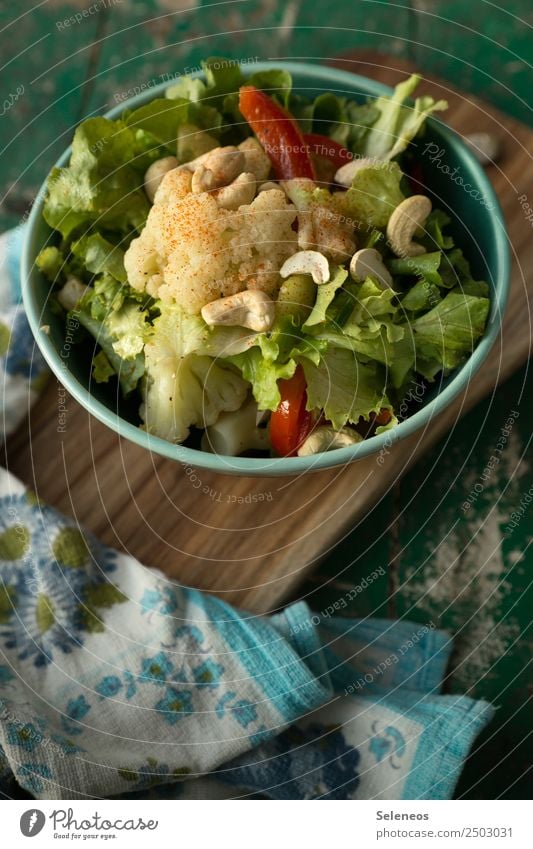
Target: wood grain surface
<point>252,540</point>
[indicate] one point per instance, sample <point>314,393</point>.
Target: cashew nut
<point>225,163</point>
<point>408,216</point>
<point>344,176</point>
<point>269,186</point>
<point>155,173</point>
<point>368,263</point>
<point>216,169</point>
<point>256,159</point>
<point>202,180</point>
<point>307,262</point>
<point>326,438</point>
<point>251,308</point>
<point>193,142</point>
<point>486,147</point>
<point>71,293</point>
<point>238,193</point>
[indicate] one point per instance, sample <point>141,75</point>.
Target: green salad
<point>259,271</point>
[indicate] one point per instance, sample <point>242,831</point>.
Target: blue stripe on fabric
<point>271,662</point>
<point>450,726</point>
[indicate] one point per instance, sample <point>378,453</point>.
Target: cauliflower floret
<point>192,252</point>
<point>183,386</point>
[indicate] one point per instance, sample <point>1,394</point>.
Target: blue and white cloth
<point>115,680</point>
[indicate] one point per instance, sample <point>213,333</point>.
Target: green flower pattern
<point>56,582</point>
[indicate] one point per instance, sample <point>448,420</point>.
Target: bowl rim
<point>281,466</point>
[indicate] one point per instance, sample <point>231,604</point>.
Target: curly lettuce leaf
<point>373,307</point>
<point>116,317</point>
<point>398,122</point>
<point>446,269</point>
<point>223,76</point>
<point>433,231</point>
<point>344,388</point>
<point>374,194</point>
<point>274,356</point>
<point>106,295</point>
<point>102,184</point>
<point>128,326</point>
<point>478,288</point>
<point>263,375</point>
<point>99,256</point>
<point>191,335</point>
<point>103,371</point>
<point>325,114</point>
<point>129,371</point>
<point>447,334</point>
<point>359,118</point>
<point>186,88</point>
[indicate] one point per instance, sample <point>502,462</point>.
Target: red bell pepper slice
<point>327,148</point>
<point>291,423</point>
<point>383,417</point>
<point>278,133</point>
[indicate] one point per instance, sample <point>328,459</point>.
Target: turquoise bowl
<point>478,228</point>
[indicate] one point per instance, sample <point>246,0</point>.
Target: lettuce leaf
<point>398,122</point>
<point>433,236</point>
<point>275,82</point>
<point>128,326</point>
<point>103,297</point>
<point>322,115</point>
<point>103,371</point>
<point>193,336</point>
<point>103,182</point>
<point>129,371</point>
<point>446,269</point>
<point>223,76</point>
<point>425,266</point>
<point>162,118</point>
<point>117,317</point>
<point>263,374</point>
<point>100,256</point>
<point>343,387</point>
<point>422,296</point>
<point>274,356</point>
<point>325,294</point>
<point>329,114</point>
<point>373,307</point>
<point>374,194</point>
<point>186,88</point>
<point>51,261</point>
<point>447,334</point>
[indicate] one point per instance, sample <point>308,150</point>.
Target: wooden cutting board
<point>252,540</point>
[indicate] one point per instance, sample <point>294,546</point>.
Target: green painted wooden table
<point>457,551</point>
